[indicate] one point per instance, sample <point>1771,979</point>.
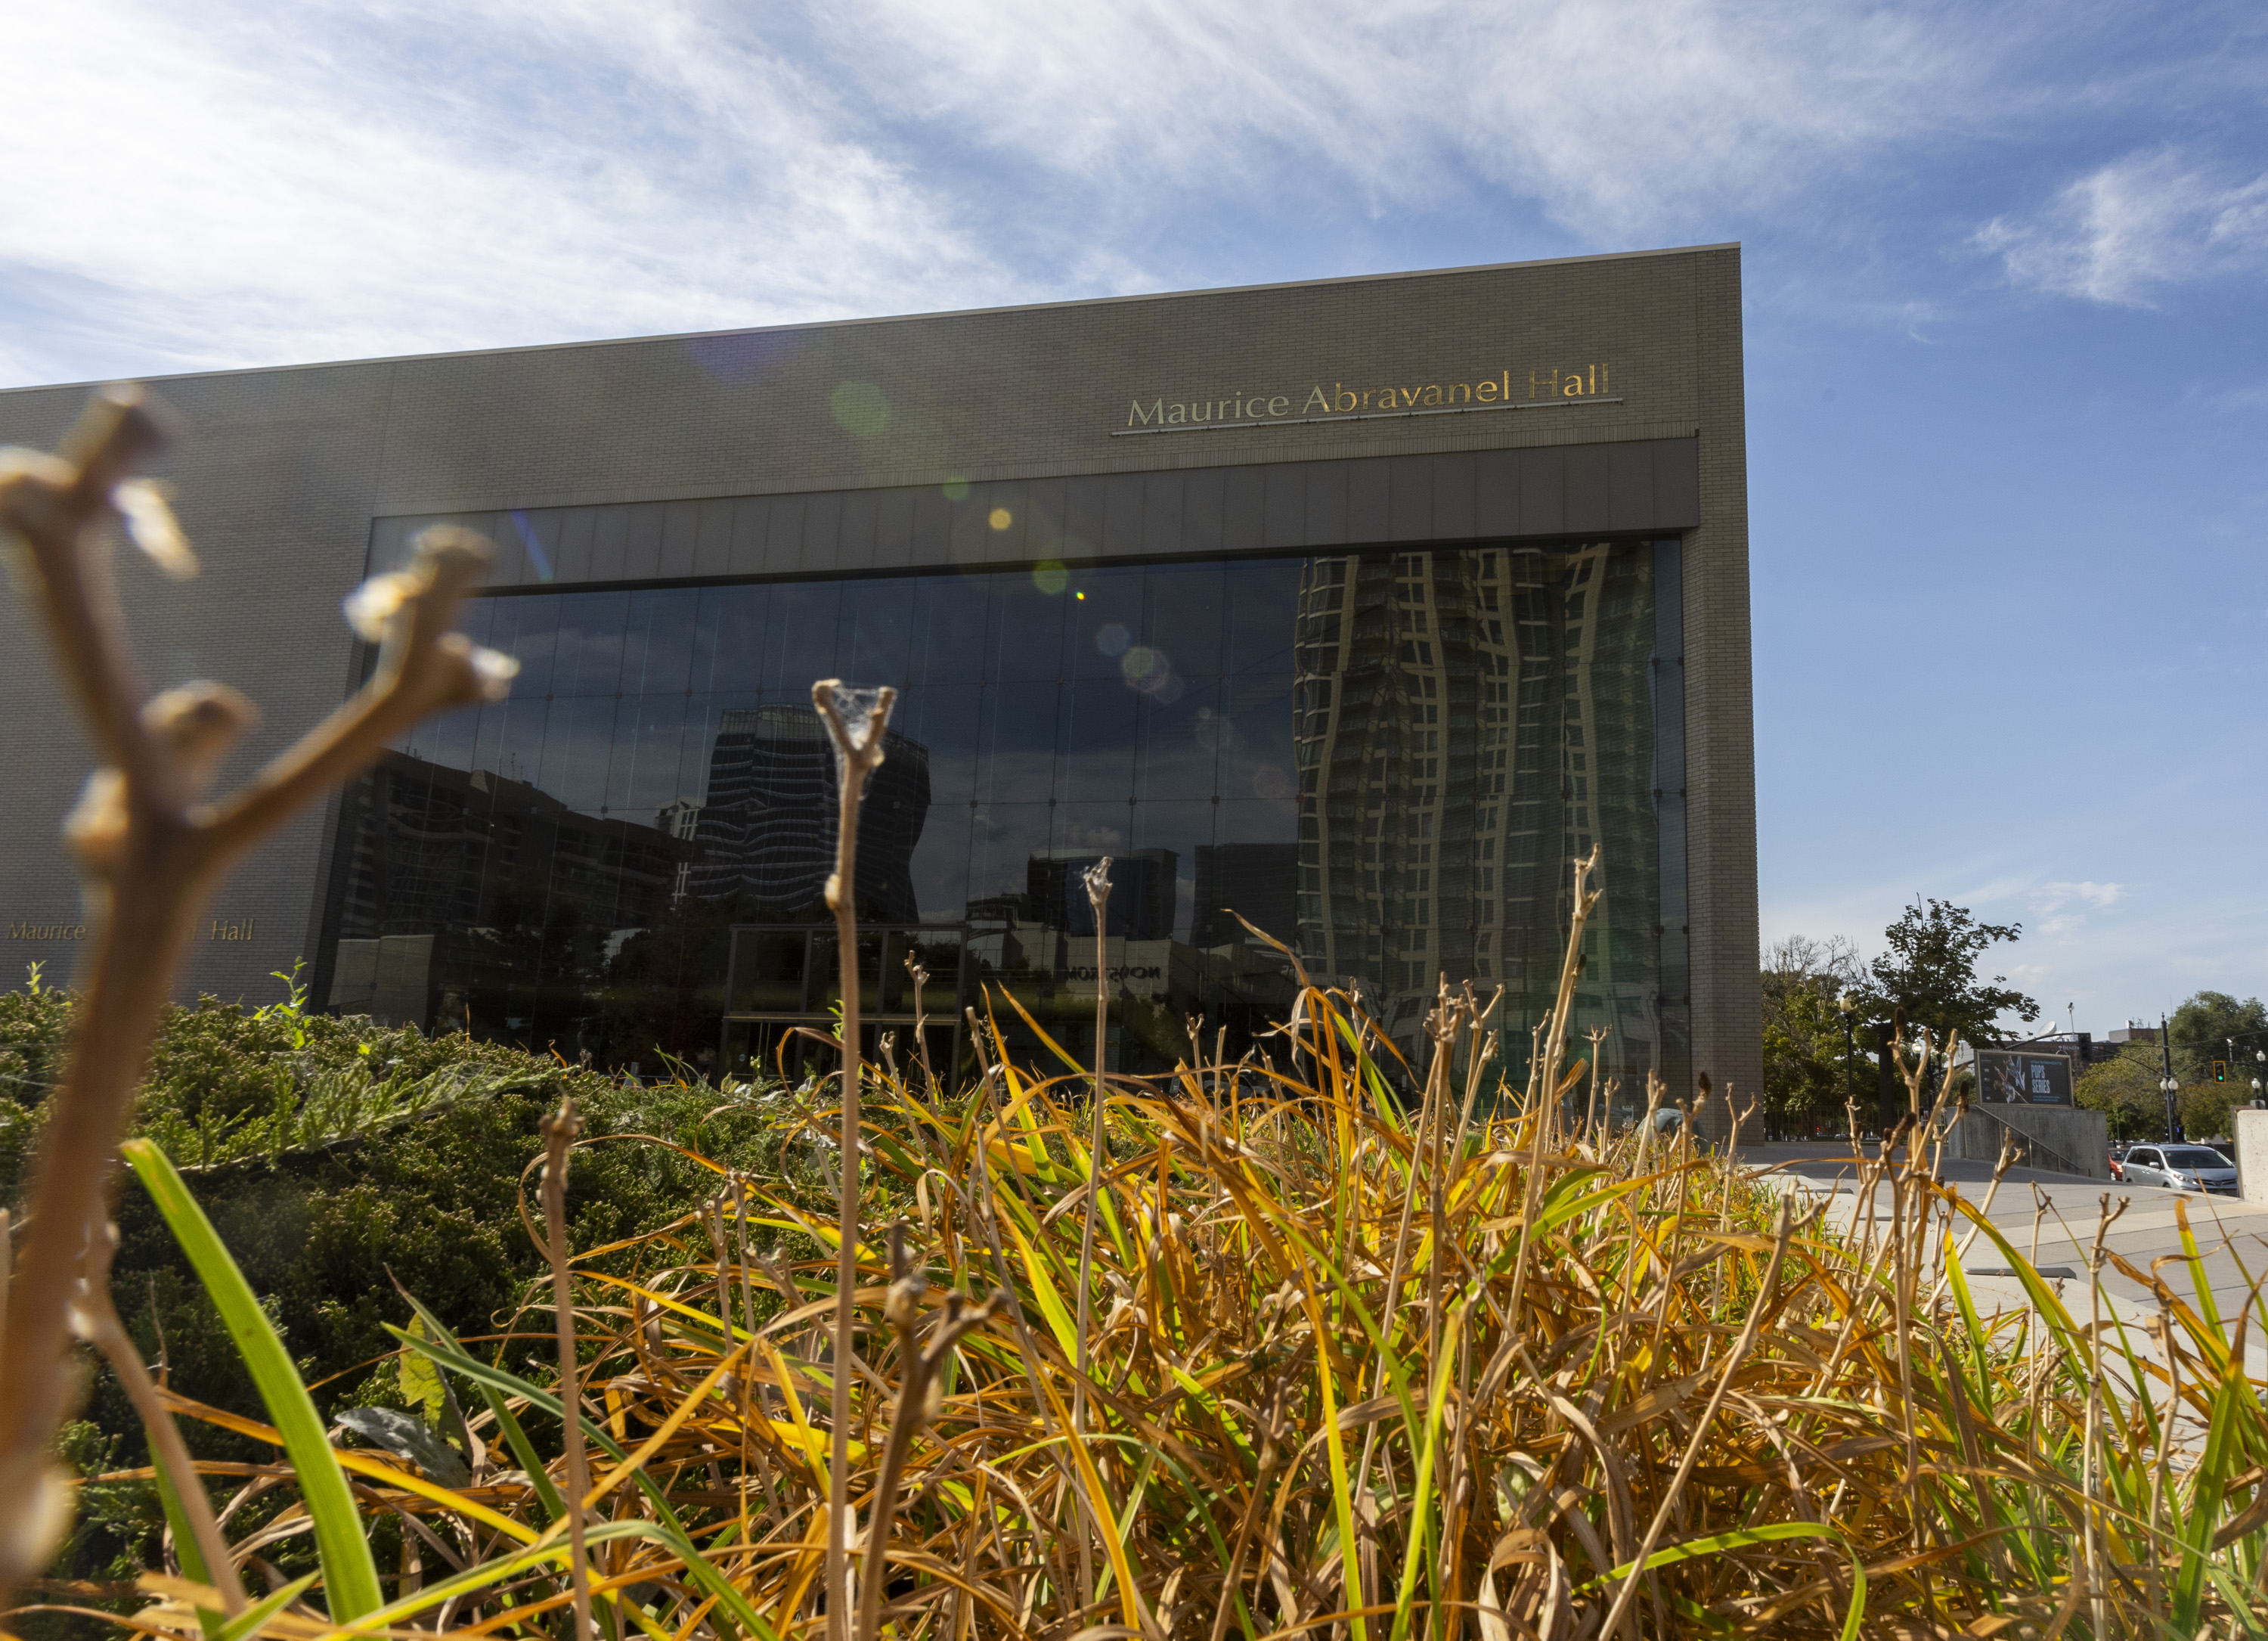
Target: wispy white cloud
<point>1624,119</point>
<point>250,184</point>
<point>258,184</point>
<point>2054,897</point>
<point>2130,229</point>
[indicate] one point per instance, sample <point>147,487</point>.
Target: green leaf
<point>351,1585</point>
<point>185,1539</point>
<point>421,1382</point>
<point>248,1622</point>
<point>1717,1544</point>
<point>2208,1492</point>
<point>426,1327</point>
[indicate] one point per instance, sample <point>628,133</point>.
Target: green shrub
<point>336,1158</point>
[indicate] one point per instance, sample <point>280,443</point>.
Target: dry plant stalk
<point>1633,1395</point>
<point>152,846</point>
<point>559,1134</point>
<point>855,721</point>
<point>1096,880</point>
<point>920,1399</point>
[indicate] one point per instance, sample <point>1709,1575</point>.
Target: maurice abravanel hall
<point>1348,612</point>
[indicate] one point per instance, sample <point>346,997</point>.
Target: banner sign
<point>2005,1077</point>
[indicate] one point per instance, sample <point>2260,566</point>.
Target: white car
<point>2183,1167</point>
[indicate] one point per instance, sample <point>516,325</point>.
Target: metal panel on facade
<point>1451,473</point>
<point>681,540</point>
<point>1203,493</point>
<point>610,544</point>
<point>1542,492</point>
<point>1590,510</point>
<point>577,536</point>
<point>1369,500</point>
<point>1161,513</point>
<point>1676,483</point>
<point>821,545</point>
<point>751,520</point>
<point>1630,487</point>
<point>894,530</point>
<point>1496,492</point>
<point>1287,506</point>
<point>784,537</point>
<point>642,553</point>
<point>860,511</point>
<point>1410,481</point>
<point>713,550</point>
<point>1326,492</point>
<point>1121,515</point>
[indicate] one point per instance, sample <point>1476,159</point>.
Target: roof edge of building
<point>891,319</point>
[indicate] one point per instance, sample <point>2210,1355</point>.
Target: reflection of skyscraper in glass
<point>766,828</point>
<point>1456,711</point>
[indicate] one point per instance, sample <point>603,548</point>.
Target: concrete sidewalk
<point>2051,1219</point>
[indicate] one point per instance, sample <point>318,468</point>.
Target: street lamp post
<point>1849,1005</point>
<point>2260,1060</point>
<point>2172,1088</point>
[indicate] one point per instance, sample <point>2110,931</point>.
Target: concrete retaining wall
<point>2083,1136</point>
<point>2252,1154</point>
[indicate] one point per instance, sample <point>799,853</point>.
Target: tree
<point>2200,1030</point>
<point>1805,1048</point>
<point>2209,1110</point>
<point>2124,1088</point>
<point>1929,974</point>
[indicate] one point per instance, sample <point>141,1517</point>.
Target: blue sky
<point>2007,375</point>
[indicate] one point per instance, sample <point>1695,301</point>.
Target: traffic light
<point>2220,1071</point>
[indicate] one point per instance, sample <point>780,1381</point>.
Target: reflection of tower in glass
<point>766,827</point>
<point>1448,708</point>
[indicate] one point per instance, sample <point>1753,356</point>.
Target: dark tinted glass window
<point>1385,760</point>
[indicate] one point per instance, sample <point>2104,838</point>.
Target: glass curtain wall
<point>1384,761</point>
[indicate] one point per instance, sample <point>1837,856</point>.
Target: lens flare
<point>1000,519</point>
<point>860,407</point>
<point>1151,672</point>
<point>1113,640</point>
<point>1051,578</point>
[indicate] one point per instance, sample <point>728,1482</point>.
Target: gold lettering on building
<point>224,929</point>
<point>1547,384</point>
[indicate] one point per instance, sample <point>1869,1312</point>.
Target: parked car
<point>2118,1160</point>
<point>2182,1168</point>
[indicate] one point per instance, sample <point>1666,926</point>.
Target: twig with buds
<point>855,720</point>
<point>152,846</point>
<point>1096,880</point>
<point>921,1396</point>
